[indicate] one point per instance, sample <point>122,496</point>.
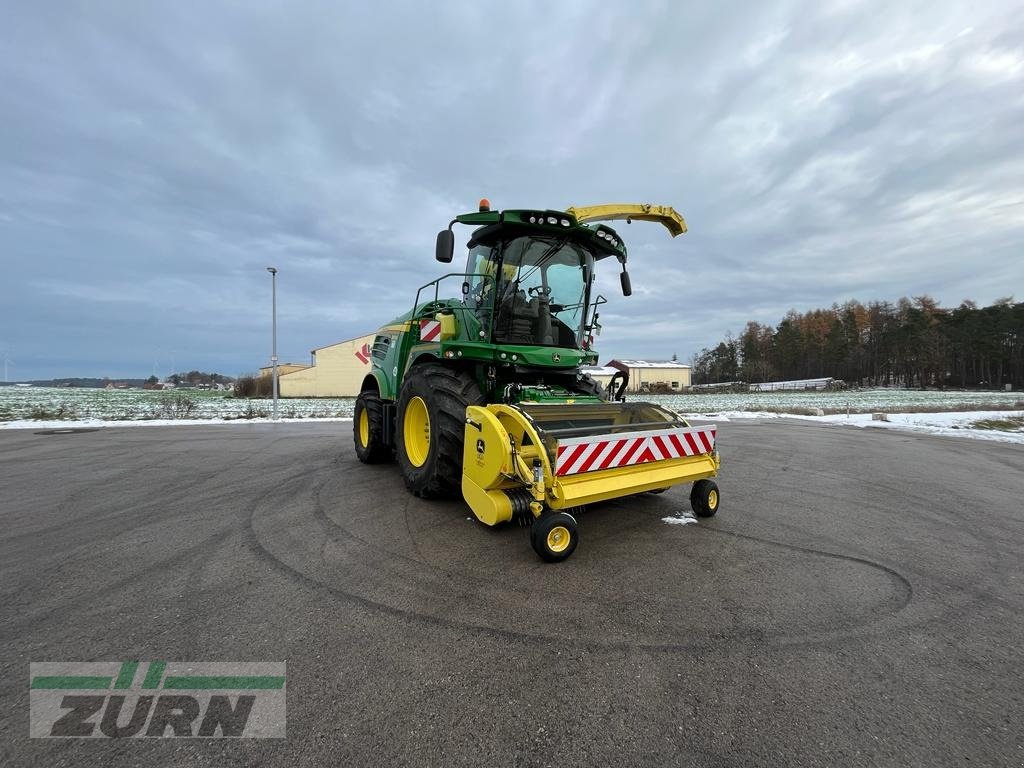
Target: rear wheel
<point>430,429</point>
<point>705,498</point>
<point>368,429</point>
<point>554,536</point>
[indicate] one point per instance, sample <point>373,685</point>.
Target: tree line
<point>193,379</point>
<point>912,343</point>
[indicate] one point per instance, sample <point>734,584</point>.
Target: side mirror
<point>445,249</point>
<point>627,289</point>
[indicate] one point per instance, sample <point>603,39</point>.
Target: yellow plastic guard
<point>661,214</point>
<point>449,330</point>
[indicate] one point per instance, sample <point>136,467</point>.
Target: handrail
<point>465,279</point>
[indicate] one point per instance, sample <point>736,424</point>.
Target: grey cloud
<point>154,159</point>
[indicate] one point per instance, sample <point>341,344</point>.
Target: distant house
<point>645,375</point>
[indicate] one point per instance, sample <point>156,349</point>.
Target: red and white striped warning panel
<point>430,330</point>
<point>588,454</point>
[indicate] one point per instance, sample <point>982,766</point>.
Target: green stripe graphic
<point>154,673</point>
<point>233,682</point>
<point>78,682</point>
<point>127,674</point>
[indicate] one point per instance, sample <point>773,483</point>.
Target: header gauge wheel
<point>554,536</point>
<point>705,498</point>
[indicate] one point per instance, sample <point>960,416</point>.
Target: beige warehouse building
<point>645,375</point>
<point>337,371</point>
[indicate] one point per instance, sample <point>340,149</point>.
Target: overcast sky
<point>155,157</point>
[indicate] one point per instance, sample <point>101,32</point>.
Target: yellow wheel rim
<point>712,499</point>
<point>559,538</point>
<point>364,428</point>
<point>416,432</point>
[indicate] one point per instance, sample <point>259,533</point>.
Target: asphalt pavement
<point>858,600</point>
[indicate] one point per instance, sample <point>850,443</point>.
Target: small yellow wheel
<point>554,536</point>
<point>705,498</point>
<point>559,538</point>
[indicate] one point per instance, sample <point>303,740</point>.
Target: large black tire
<point>368,429</point>
<point>446,393</point>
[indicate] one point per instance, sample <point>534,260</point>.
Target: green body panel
<point>404,350</point>
<point>384,362</point>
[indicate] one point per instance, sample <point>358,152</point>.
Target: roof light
<point>565,222</point>
<point>533,219</point>
<point>552,220</point>
<point>485,205</point>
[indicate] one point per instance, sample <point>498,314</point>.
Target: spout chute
<point>661,214</point>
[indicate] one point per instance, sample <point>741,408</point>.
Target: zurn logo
<point>158,699</point>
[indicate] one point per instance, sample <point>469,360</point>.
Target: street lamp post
<point>273,353</point>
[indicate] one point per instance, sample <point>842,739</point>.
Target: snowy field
<point>856,400</point>
<point>956,424</point>
<point>73,404</point>
<point>949,412</point>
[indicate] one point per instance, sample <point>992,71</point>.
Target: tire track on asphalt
<point>903,597</point>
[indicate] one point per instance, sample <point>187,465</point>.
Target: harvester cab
<point>483,394</point>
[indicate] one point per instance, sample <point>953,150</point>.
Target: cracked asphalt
<point>857,601</point>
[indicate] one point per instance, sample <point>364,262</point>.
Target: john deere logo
<point>556,357</point>
<point>119,700</point>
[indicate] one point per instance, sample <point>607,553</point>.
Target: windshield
<point>541,292</point>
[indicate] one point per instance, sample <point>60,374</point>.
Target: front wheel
<point>704,498</point>
<point>430,429</point>
<point>554,536</point>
